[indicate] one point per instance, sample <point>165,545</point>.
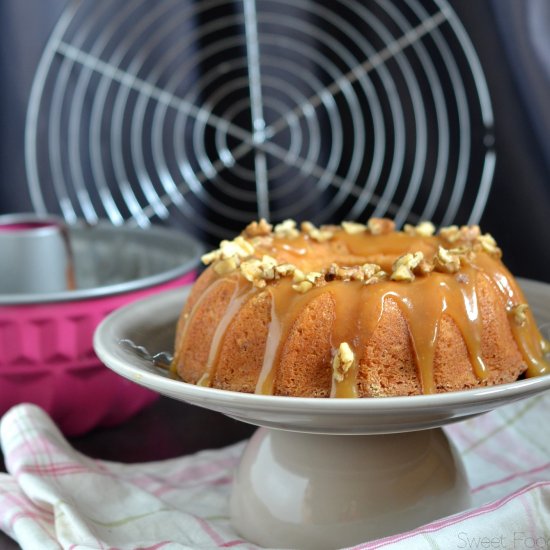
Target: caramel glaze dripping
<point>359,307</point>
<point>530,341</point>
<point>241,294</point>
<point>423,304</point>
<point>285,307</point>
<point>350,326</point>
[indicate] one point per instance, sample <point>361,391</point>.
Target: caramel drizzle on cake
<point>363,270</point>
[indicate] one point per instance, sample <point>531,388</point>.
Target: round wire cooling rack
<point>207,114</point>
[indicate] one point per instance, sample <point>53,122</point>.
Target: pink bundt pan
<point>46,352</point>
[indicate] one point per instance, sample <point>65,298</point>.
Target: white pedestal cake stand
<point>323,473</point>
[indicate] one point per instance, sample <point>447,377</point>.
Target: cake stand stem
<point>295,490</point>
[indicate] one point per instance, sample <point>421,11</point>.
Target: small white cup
<point>34,255</point>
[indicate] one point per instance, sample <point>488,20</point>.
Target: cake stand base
<point>296,490</point>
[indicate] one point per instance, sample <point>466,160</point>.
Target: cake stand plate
<point>300,483</point>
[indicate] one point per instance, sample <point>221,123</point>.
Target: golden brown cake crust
<point>356,311</point>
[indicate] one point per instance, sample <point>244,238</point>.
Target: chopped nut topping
<point>345,273</point>
<point>380,226</point>
<point>285,269</point>
<point>330,275</point>
<point>265,241</point>
<point>470,232</point>
<point>302,287</point>
<point>252,271</point>
<point>319,235</point>
<point>210,257</point>
<point>306,281</point>
<point>227,265</point>
<point>373,273</point>
<point>370,270</point>
<point>259,271</point>
<point>466,233</point>
<point>313,276</point>
<point>519,313</point>
<point>228,257</point>
<point>423,229</point>
<point>402,269</point>
<point>258,229</point>
<point>269,265</point>
<point>353,228</point>
<point>238,247</point>
<point>342,362</point>
<point>451,233</point>
<point>447,261</point>
<point>286,229</point>
<point>298,276</point>
<point>488,244</point>
<point>367,273</point>
<point>424,267</point>
<point>243,254</point>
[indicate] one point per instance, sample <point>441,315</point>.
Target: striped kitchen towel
<point>55,497</point>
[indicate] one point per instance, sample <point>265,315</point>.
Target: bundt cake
<point>356,310</point>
